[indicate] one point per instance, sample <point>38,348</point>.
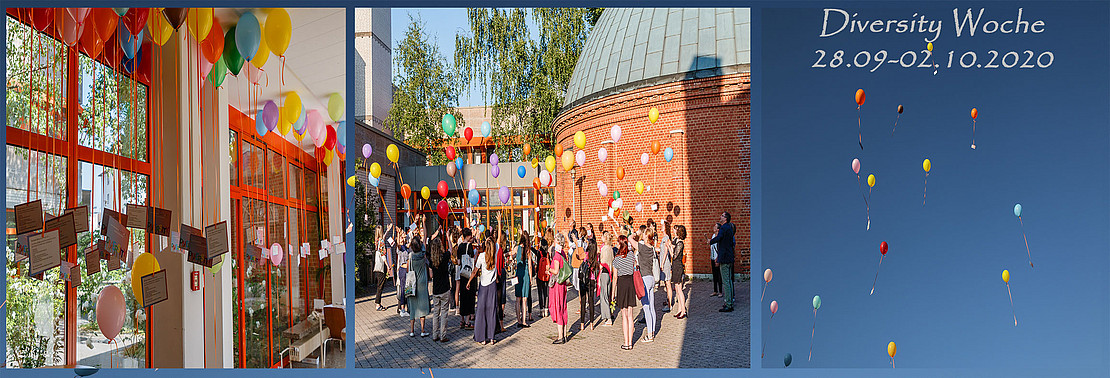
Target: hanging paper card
<point>323,249</point>
<point>186,237</point>
<point>22,248</point>
<point>162,219</point>
<point>28,217</point>
<point>71,273</point>
<point>137,216</point>
<point>198,250</point>
<point>252,253</point>
<point>118,237</point>
<point>92,260</point>
<point>175,242</point>
<point>111,214</point>
<point>155,289</point>
<point>341,248</point>
<point>305,249</point>
<point>216,236</point>
<point>45,252</point>
<point>258,234</point>
<point>80,218</point>
<point>67,234</point>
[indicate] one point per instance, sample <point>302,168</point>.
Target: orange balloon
<point>974,113</point>
<point>860,97</point>
<point>558,150</point>
<point>527,149</point>
<point>655,147</point>
<point>536,183</point>
<point>406,191</point>
<point>620,173</point>
<point>543,224</point>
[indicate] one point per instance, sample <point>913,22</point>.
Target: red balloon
<point>135,19</point>
<point>536,183</point>
<point>329,142</point>
<point>91,44</point>
<point>442,208</point>
<point>882,247</point>
<point>468,134</point>
<point>974,113</point>
<point>610,203</point>
<point>213,45</point>
<point>105,20</point>
<point>144,68</point>
<point>441,188</point>
<point>450,152</point>
<point>406,191</point>
<point>42,18</point>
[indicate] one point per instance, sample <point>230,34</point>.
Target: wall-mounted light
<point>677,131</point>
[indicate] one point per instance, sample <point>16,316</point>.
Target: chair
<point>335,318</point>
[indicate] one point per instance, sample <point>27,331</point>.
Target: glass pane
<point>275,174</point>
<point>310,188</point>
<point>236,304</point>
<point>113,111</point>
<point>233,155</point>
<point>44,174</point>
<point>36,78</point>
<point>256,319</point>
<point>279,285</point>
<point>294,180</point>
<point>324,225</point>
<point>297,299</point>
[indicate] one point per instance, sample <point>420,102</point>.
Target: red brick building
<point>693,66</point>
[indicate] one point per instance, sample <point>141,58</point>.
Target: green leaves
<point>425,90</point>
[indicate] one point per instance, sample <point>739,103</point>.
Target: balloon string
<point>762,351</point>
<point>973,133</point>
<point>811,334</point>
<point>764,292</point>
<point>859,120</point>
<point>895,124</point>
<point>859,184</point>
<point>1011,303</point>
<point>1027,253</point>
<point>877,275</point>
<point>892,363</point>
<point>926,192</point>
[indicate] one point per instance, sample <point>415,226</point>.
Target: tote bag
<point>410,284</point>
<point>638,281</point>
<point>466,266</point>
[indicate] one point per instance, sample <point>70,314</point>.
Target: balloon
<point>341,134</point>
<point>616,194</point>
<point>442,209</point>
<point>559,150</point>
<point>129,43</point>
<point>315,125</point>
<point>891,349</point>
<point>1006,276</point>
<point>494,159</point>
<point>213,46</point>
<point>231,56</point>
<point>899,109</point>
<point>367,150</point>
<point>160,29</point>
<point>568,160</point>
<point>602,154</point>
<point>270,115</point>
<point>472,185</point>
<point>473,197</point>
<point>503,194</point>
<point>486,129</point>
<point>639,187</point>
<point>520,171</point>
<point>816,302</point>
<point>767,274</point>
<point>549,163</point>
<point>373,181</point>
<point>929,47</point>
<point>871,180</point>
<point>860,97</point>
<point>855,166</point>
<point>111,311</point>
<point>135,19</point>
<point>774,307</point>
<point>293,105</point>
<point>527,149</point>
<point>786,360</point>
<point>218,73</point>
<point>120,11</point>
<point>535,162</point>
<point>468,133</point>
<point>639,207</point>
<point>175,16</point>
<point>331,141</point>
<point>328,155</point>
<point>602,189</point>
<point>43,18</point>
<point>406,191</point>
<point>448,123</point>
<point>216,267</point>
<point>580,139</point>
<point>620,173</point>
<point>276,254</point>
<point>653,115</point>
<point>200,23</point>
<point>375,170</point>
<point>335,106</point>
<point>545,178</point>
<point>668,154</point>
<point>615,133</point>
<point>618,203</point>
<point>644,158</point>
<point>391,152</point>
<point>425,192</point>
<point>441,188</point>
<point>495,171</point>
<point>1017,210</point>
<point>70,24</point>
<point>450,150</point>
<point>883,248</point>
<point>536,183</point>
<point>260,125</point>
<point>278,30</point>
<point>263,53</point>
<point>926,165</point>
<point>655,147</point>
<point>459,163</point>
<point>247,35</point>
<point>974,113</point>
<point>144,264</point>
<point>580,158</point>
<point>451,169</point>
<point>351,181</point>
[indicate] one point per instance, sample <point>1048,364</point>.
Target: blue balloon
<point>486,129</point>
<point>373,180</point>
<point>473,196</point>
<point>129,65</point>
<point>668,154</point>
<point>247,35</point>
<point>787,359</point>
<point>1017,210</point>
<point>260,126</point>
<point>299,125</point>
<point>342,132</point>
<point>127,42</point>
<point>458,163</point>
<point>520,171</point>
<point>481,228</point>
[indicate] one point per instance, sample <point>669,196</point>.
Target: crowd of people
<point>612,273</point>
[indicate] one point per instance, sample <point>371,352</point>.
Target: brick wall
<point>710,172</point>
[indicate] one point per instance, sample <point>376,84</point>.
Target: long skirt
<point>485,323</point>
<point>557,298</point>
<point>402,274</point>
<point>466,299</point>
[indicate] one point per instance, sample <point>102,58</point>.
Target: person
<point>465,295</point>
<point>645,261</point>
<point>624,290</point>
<point>664,247</point>
<point>726,246</point>
<point>678,271</point>
<point>557,295</point>
<point>383,267</point>
<point>485,323</point>
<point>587,280</point>
<point>402,259</point>
<point>441,288</point>
<point>605,276</point>
<point>717,284</point>
<point>574,250</point>
<point>542,275</point>
<point>418,303</point>
<point>523,285</point>
<point>503,250</point>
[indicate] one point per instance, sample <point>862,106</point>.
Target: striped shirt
<point>625,266</point>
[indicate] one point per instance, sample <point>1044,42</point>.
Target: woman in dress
<point>557,294</point>
<point>541,273</point>
<point>523,285</point>
<point>624,290</point>
<point>464,294</point>
<point>382,264</point>
<point>678,271</point>
<point>485,323</point>
<point>645,260</point>
<point>606,276</point>
<point>402,260</point>
<point>418,303</point>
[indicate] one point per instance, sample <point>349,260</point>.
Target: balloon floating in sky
<point>896,120</point>
<point>766,280</point>
<point>859,183</point>
<point>774,309</point>
<point>1006,279</point>
<point>1017,212</point>
<point>860,98</point>
<point>787,359</point>
<point>974,115</point>
<point>653,115</point>
<point>926,165</point>
<point>882,253</point>
<point>448,124</point>
<point>891,349</point>
<point>816,305</point>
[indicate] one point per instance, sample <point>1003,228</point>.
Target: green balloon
<point>816,302</point>
<point>449,124</point>
<point>231,55</point>
<point>616,194</point>
<point>218,73</point>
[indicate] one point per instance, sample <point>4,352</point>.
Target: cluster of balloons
<point>292,117</point>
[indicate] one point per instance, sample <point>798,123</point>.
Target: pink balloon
<point>602,154</point>
<point>615,133</point>
<point>774,307</point>
<point>70,23</point>
<point>316,129</point>
<point>276,254</point>
<point>254,74</point>
<point>545,178</point>
<point>767,275</point>
<point>111,311</point>
<point>855,166</point>
<point>471,185</point>
<point>451,169</point>
<point>639,207</point>
<point>580,158</point>
<point>602,189</point>
<point>644,158</point>
<point>205,66</point>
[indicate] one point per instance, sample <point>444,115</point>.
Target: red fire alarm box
<point>194,281</point>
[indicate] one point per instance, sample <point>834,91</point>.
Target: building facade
<point>373,66</point>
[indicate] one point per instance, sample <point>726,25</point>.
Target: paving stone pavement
<point>705,339</point>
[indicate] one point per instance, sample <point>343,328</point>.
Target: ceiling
<point>315,62</point>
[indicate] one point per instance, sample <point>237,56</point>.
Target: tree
<point>525,78</point>
<point>425,91</point>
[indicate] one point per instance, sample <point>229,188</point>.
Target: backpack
<point>541,269</point>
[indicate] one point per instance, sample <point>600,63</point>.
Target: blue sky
<point>1042,141</point>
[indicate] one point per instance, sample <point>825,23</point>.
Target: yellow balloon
<point>1006,276</point>
<point>640,187</point>
<point>297,135</point>
<point>929,46</point>
<point>144,264</point>
<point>160,29</point>
<point>392,153</point>
<point>328,155</point>
<point>926,165</point>
<point>568,160</point>
<point>549,163</point>
<point>375,170</point>
<point>216,268</point>
<point>292,108</point>
<point>284,127</point>
<point>580,140</point>
<point>425,192</point>
<point>653,115</point>
<point>278,29</point>
<point>263,53</point>
<point>351,181</point>
<point>891,349</point>
<point>535,162</point>
<point>335,107</point>
<point>199,22</point>
<point>871,180</point>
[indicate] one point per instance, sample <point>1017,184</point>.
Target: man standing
<point>726,246</point>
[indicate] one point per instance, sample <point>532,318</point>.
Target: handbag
<point>638,281</point>
<point>410,284</point>
<point>466,266</point>
<point>564,271</point>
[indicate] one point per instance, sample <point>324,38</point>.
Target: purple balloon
<point>495,171</point>
<point>367,150</point>
<point>503,194</point>
<point>270,115</point>
<point>493,159</point>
